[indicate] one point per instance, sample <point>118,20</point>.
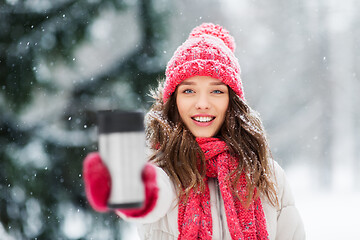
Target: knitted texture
<point>194,217</point>
<point>208,51</point>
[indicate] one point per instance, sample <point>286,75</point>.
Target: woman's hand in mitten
<point>97,182</point>
<point>151,193</point>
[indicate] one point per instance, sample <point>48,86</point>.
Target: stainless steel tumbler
<point>122,148</point>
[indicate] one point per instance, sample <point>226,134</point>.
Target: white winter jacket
<point>283,222</point>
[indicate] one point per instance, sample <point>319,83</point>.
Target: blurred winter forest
<point>61,61</point>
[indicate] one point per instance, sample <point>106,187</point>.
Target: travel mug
<point>122,147</point>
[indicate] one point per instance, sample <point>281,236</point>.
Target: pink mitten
<point>98,186</point>
<point>151,193</point>
<point>97,182</point>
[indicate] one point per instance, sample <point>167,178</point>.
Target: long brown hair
<point>176,151</point>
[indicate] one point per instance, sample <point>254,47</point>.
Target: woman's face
<point>202,102</point>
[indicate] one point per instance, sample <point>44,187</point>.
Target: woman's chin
<point>200,134</point>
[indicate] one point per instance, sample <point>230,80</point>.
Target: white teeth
<point>203,119</point>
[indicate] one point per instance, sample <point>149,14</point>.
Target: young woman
<point>211,175</point>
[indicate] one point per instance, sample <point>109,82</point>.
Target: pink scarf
<point>194,217</point>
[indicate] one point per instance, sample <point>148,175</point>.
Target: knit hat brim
<point>201,67</point>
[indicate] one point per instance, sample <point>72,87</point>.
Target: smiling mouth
<point>203,119</point>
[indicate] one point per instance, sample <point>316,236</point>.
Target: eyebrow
<point>187,83</point>
<point>193,83</point>
<point>217,83</point>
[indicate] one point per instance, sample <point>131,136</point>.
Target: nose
<point>202,102</point>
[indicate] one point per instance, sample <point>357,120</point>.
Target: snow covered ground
<point>330,214</point>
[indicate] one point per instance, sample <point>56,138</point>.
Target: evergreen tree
<point>41,150</point>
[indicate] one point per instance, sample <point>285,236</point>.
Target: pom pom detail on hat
<point>209,51</point>
<point>216,31</point>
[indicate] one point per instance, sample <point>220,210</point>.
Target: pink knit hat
<point>209,51</point>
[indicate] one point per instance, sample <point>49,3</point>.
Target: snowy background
<point>62,61</point>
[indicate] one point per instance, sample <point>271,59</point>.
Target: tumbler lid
<point>110,121</point>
